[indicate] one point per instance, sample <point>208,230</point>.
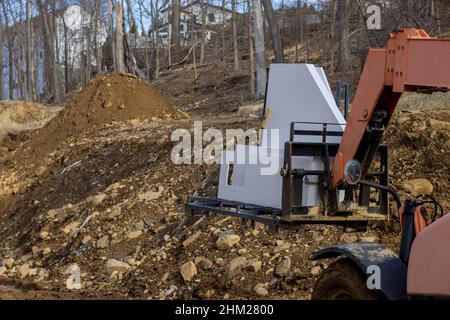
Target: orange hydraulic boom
<point>412,62</point>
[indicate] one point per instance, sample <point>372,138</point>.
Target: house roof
<point>184,8</point>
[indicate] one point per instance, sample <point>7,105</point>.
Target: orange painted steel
<point>413,61</point>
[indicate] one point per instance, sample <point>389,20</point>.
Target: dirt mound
<point>104,100</point>
<point>115,98</point>
<point>419,148</point>
<point>18,116</point>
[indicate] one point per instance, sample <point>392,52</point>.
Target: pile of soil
<point>104,100</point>
<point>419,143</point>
<point>114,98</point>
<point>17,118</point>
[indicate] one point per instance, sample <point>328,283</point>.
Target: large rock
<point>73,282</point>
<point>283,267</point>
<point>316,270</point>
<point>253,109</point>
<point>96,200</point>
<point>227,241</point>
<point>254,265</point>
<point>134,234</point>
<point>116,265</point>
<point>203,263</point>
<point>261,290</point>
<point>191,239</point>
<point>151,195</point>
<point>237,264</point>
<point>71,227</point>
<point>103,242</point>
<point>188,271</point>
<point>349,237</point>
<point>9,263</point>
<point>417,186</point>
<point>24,270</point>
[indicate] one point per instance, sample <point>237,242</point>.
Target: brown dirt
<point>419,144</point>
<point>216,90</point>
<point>125,161</point>
<point>103,101</point>
<point>18,117</point>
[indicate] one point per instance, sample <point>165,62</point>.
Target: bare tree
<point>344,59</point>
<point>235,40</point>
<point>29,51</point>
<point>112,31</point>
<point>203,42</point>
<point>175,25</point>
<point>119,39</point>
<point>154,14</point>
<point>50,45</point>
<point>1,60</point>
<point>97,44</point>
<point>223,27</point>
<point>10,40</point>
<point>131,18</point>
<point>274,31</point>
<point>259,49</point>
<point>250,44</point>
<point>332,33</point>
<point>193,39</point>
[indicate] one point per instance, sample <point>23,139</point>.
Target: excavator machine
<point>353,167</point>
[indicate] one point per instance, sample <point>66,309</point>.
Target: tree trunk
<point>274,31</point>
<point>112,33</point>
<point>10,41</point>
<point>250,44</point>
<point>55,64</point>
<point>119,39</point>
<point>154,14</point>
<point>141,19</point>
<point>332,35</point>
<point>235,42</point>
<point>67,80</point>
<point>344,58</point>
<point>98,54</point>
<point>98,46</point>
<point>11,66</point>
<point>223,29</point>
<point>202,48</point>
<point>1,62</point>
<point>131,17</point>
<point>193,43</point>
<point>88,66</point>
<point>49,35</point>
<point>261,76</point>
<point>175,34</point>
<point>333,20</point>
<point>29,76</point>
<point>297,23</point>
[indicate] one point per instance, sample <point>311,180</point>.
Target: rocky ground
<point>100,213</point>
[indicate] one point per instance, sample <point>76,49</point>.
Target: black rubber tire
<point>343,280</point>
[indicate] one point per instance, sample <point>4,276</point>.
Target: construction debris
<point>121,207</point>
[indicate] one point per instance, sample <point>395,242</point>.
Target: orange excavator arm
<point>413,61</point>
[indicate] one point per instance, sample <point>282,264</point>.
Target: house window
<point>211,17</point>
<point>181,27</point>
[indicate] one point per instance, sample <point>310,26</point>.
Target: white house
<point>72,23</point>
<point>215,15</point>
